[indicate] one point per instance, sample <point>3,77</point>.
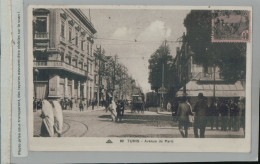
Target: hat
<point>184,98</point>
<point>200,95</point>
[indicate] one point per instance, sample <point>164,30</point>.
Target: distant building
<point>62,54</point>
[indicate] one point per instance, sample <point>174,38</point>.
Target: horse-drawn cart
<point>137,103</point>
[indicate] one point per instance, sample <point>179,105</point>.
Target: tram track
<point>66,129</point>
<point>70,127</point>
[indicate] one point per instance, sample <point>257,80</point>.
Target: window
<point>76,39</point>
<point>62,56</point>
<point>88,48</point>
<point>70,34</point>
<point>62,29</point>
<point>91,49</point>
<point>90,92</point>
<point>41,24</point>
<point>91,68</point>
<point>40,28</point>
<point>82,45</point>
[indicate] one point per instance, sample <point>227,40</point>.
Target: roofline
<point>84,19</point>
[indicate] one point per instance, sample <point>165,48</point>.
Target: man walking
<point>224,115</point>
<point>81,107</point>
<point>234,115</point>
<point>93,103</point>
<point>212,115</point>
<point>183,113</point>
<point>200,119</point>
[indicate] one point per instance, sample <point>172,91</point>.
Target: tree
<point>160,56</point>
<point>229,57</point>
<point>115,74</point>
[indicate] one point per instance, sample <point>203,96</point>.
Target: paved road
<point>98,123</point>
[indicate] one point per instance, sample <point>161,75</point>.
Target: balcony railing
<point>206,76</point>
<point>41,35</point>
<point>61,65</point>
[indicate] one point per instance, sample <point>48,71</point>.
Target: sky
<point>134,34</point>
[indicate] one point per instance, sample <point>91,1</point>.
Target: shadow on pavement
<point>148,120</point>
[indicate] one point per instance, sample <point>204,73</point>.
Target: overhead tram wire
<point>132,41</point>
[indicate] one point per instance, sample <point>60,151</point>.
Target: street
<point>97,123</point>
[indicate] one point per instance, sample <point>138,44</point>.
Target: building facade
<point>195,78</point>
<point>62,53</point>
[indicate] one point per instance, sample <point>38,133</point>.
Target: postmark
<point>230,26</point>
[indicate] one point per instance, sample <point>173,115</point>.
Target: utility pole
<point>163,62</point>
<point>214,85</point>
<point>114,75</point>
<point>98,89</point>
<point>184,69</point>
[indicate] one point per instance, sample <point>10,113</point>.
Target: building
<point>62,53</point>
<point>194,78</point>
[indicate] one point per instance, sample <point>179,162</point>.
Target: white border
<point>6,81</point>
<point>99,143</point>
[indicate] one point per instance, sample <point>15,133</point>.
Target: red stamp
<point>231,26</point>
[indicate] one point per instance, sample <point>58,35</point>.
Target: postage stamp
<point>230,26</point>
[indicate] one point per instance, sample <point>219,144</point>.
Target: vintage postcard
<point>139,78</point>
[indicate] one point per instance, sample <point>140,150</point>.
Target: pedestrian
<point>47,116</point>
<point>169,106</point>
<point>212,115</point>
<point>58,117</point>
<point>34,104</point>
<point>224,114</point>
<point>217,114</point>
<point>183,113</point>
<point>234,112</point>
<point>175,108</point>
<point>201,114</point>
<point>243,119</point>
<point>118,111</point>
<point>241,108</point>
<point>39,104</point>
<point>85,105</point>
<point>122,105</point>
<point>112,109</point>
<point>70,104</point>
<point>62,104</point>
<point>229,123</point>
<point>93,104</point>
<point>81,105</point>
<point>65,104</point>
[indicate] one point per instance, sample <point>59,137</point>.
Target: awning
<point>221,90</point>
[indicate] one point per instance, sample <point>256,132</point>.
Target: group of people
<point>117,106</point>
<point>230,114</point>
<point>37,104</point>
<point>67,104</point>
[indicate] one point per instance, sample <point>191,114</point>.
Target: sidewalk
<point>89,109</point>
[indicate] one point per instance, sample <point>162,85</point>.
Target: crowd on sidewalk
<point>71,104</point>
<point>226,114</point>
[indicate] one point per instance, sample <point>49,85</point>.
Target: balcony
<point>206,76</point>
<point>54,64</point>
<point>41,35</point>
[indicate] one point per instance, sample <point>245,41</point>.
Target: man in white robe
<point>52,118</point>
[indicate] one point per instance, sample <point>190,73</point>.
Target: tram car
<point>137,103</point>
